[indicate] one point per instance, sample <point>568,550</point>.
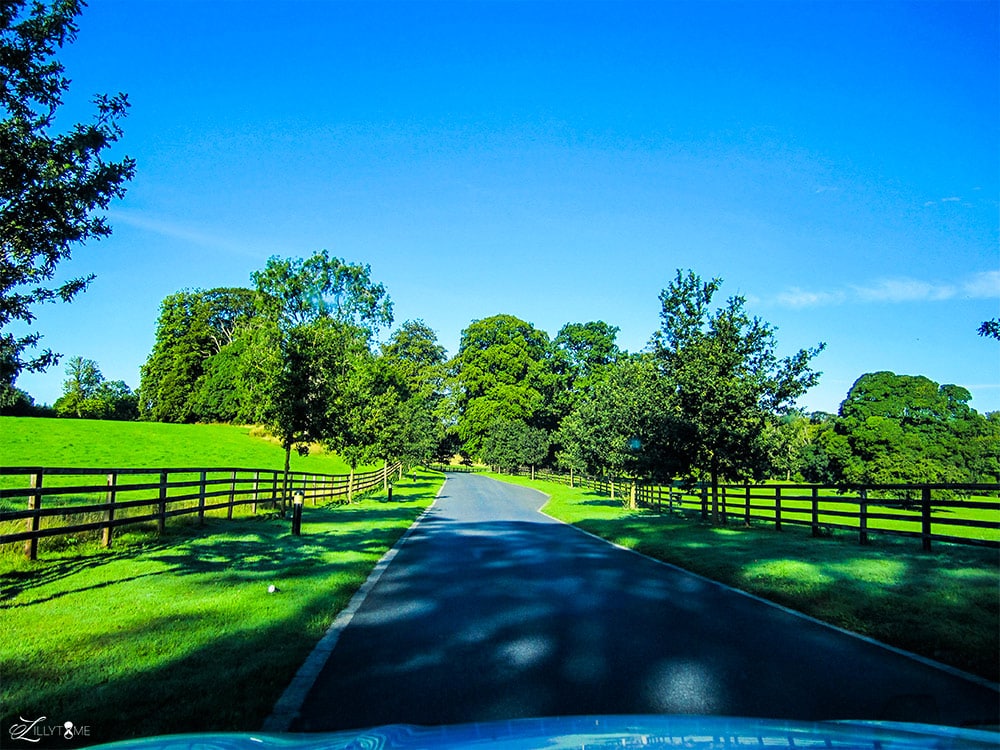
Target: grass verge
<point>179,633</point>
<point>944,605</point>
<point>94,443</point>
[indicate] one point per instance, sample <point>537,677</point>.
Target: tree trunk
<point>631,498</point>
<point>350,487</point>
<point>612,488</point>
<point>571,485</point>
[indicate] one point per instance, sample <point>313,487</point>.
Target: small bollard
<point>297,514</point>
<point>390,494</point>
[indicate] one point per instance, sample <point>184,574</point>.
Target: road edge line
<point>288,706</point>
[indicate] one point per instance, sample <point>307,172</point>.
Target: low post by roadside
<point>297,499</point>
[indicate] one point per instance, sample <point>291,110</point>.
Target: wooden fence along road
<point>930,512</point>
<point>61,502</point>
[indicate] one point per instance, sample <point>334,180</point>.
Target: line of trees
<point>710,400</point>
<point>298,353</point>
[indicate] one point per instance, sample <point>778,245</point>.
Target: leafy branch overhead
<point>53,185</point>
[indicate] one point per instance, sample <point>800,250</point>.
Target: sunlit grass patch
<point>800,574</point>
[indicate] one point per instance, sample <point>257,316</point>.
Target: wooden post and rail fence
<point>951,513</point>
<point>50,502</point>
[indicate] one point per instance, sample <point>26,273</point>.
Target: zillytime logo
<point>33,730</point>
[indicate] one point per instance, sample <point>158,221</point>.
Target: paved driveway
<point>492,610</point>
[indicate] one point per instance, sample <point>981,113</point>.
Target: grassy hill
<point>88,443</point>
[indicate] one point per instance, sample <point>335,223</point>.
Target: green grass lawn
<point>944,604</point>
<point>179,633</point>
<point>91,443</point>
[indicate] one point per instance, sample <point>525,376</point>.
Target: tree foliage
<point>902,429</point>
<point>52,185</point>
<point>298,291</point>
<point>502,373</point>
<point>87,395</point>
<point>725,378</point>
<point>192,372</point>
<point>626,425</point>
<point>510,444</point>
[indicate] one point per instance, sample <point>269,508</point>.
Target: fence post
<point>112,491</point>
<point>863,517</point>
<point>34,521</point>
<point>815,511</point>
<point>162,520</point>
<point>777,508</point>
<point>201,498</point>
<point>746,515</point>
<point>256,491</point>
<point>925,517</point>
<point>725,507</point>
<point>232,497</point>
<point>704,502</point>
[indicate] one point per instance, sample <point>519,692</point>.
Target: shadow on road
<point>480,620</point>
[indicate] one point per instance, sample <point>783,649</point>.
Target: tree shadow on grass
<point>237,549</point>
<point>180,693</point>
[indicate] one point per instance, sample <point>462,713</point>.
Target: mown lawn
<point>92,443</point>
<point>944,605</point>
<point>179,633</point>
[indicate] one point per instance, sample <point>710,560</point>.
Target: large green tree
<point>191,374</point>
<point>417,361</point>
<point>502,372</point>
<point>53,185</point>
<point>318,315</point>
<point>725,377</point>
<point>625,425</point>
<point>905,428</point>
<point>83,380</point>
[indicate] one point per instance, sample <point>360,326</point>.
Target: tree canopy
<point>903,428</point>
<point>501,373</point>
<point>725,377</point>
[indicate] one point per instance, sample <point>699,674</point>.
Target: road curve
<point>492,610</point>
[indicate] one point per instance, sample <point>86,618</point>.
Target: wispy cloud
<point>179,231</point>
<point>796,297</point>
<point>904,290</point>
<point>984,285</point>
<point>948,199</point>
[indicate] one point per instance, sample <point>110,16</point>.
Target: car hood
<point>596,732</point>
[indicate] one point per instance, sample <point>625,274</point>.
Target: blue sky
<point>838,164</point>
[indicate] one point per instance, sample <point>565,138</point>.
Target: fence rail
<point>457,468</point>
<point>953,513</point>
<point>55,502</point>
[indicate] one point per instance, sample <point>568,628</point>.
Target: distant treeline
<point>709,400</point>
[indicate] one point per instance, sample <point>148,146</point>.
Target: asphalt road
<point>492,610</point>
